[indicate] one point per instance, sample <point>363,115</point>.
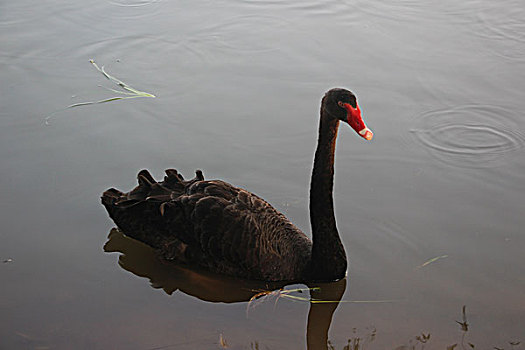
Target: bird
<point>215,226</point>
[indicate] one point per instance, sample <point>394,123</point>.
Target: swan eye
<point>340,104</point>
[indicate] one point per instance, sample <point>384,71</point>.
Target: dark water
<point>238,85</point>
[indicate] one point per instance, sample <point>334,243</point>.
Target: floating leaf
<point>430,261</point>
<point>222,342</point>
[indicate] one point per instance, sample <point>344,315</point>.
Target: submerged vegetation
<point>424,339</point>
<point>421,341</point>
<point>362,340</point>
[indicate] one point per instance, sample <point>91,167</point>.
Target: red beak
<point>355,120</point>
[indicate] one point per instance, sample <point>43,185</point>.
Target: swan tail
<point>140,212</point>
<point>149,189</point>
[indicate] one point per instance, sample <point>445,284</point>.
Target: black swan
<point>225,229</point>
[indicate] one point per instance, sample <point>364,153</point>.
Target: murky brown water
<point>431,211</point>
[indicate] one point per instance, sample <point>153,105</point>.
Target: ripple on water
<point>190,55</point>
<point>397,10</point>
<point>414,10</point>
<point>401,243</point>
<point>13,13</point>
<point>246,33</point>
<point>504,23</point>
<point>390,230</point>
<point>133,3</point>
<point>111,10</point>
<point>313,7</point>
<point>470,135</point>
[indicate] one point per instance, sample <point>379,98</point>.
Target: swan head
<point>342,105</point>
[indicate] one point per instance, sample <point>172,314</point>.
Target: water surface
<point>238,86</point>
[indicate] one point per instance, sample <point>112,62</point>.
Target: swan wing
<point>214,225</point>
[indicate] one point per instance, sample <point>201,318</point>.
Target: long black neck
<point>328,261</point>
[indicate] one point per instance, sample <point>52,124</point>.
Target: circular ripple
<point>472,135</point>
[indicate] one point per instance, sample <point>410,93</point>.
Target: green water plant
<point>127,93</point>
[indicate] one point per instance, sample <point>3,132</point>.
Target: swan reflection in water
<point>142,261</point>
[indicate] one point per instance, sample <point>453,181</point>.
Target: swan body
<point>228,230</point>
